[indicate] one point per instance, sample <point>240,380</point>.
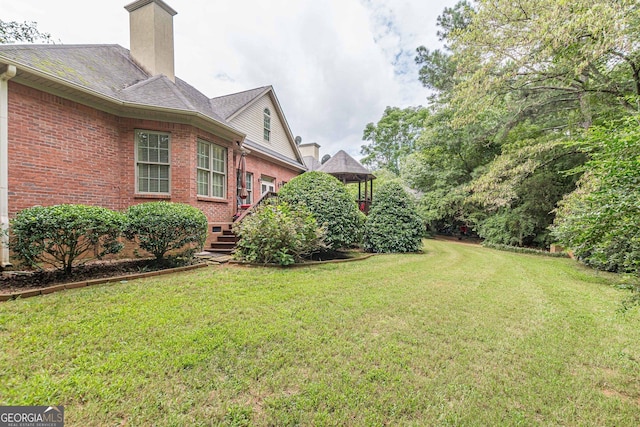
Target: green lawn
<point>460,335</point>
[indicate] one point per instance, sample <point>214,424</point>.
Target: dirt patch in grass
<point>16,281</point>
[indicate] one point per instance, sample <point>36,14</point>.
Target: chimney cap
<point>140,3</point>
<point>310,144</point>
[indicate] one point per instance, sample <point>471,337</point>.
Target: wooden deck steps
<point>224,244</point>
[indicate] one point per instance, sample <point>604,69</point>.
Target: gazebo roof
<point>346,168</point>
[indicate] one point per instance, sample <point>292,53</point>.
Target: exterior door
<point>267,184</point>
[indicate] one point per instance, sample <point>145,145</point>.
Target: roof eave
<point>258,150</point>
<point>114,105</point>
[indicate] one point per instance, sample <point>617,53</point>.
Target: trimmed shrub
<point>521,250</point>
<point>393,224</point>
<point>277,233</point>
<point>65,235</point>
<point>160,227</point>
<point>331,205</point>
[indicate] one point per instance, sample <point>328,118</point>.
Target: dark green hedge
<point>331,205</point>
<point>62,235</point>
<point>160,227</point>
<point>393,224</point>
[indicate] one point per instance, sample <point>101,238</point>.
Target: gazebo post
<point>359,192</point>
<point>366,198</point>
<point>371,191</point>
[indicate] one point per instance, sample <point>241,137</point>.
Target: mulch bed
<point>17,281</point>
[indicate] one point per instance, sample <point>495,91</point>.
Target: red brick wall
<point>259,167</point>
<point>60,152</point>
<point>64,152</point>
<point>183,168</point>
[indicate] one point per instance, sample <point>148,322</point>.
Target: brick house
<point>102,125</point>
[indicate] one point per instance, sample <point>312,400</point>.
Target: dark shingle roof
<point>227,105</point>
<point>109,71</point>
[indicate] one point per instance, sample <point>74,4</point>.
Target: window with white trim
<point>267,124</point>
<point>153,164</point>
<point>249,187</point>
<point>211,170</point>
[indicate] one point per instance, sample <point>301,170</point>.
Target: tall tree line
<point>529,100</point>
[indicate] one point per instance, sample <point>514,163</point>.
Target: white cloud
<point>335,64</point>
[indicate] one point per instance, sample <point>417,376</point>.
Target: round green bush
<point>65,235</point>
<point>393,224</point>
<point>331,205</point>
<point>160,227</point>
<point>276,233</point>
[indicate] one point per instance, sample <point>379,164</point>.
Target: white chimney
<point>151,36</point>
<point>310,150</point>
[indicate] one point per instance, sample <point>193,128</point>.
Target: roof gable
<point>236,107</point>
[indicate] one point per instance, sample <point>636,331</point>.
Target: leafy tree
<point>599,221</point>
<point>160,227</point>
<point>393,224</point>
<point>507,227</point>
<point>548,57</point>
<point>554,68</point>
<point>24,32</point>
<point>393,137</point>
<point>330,203</point>
<point>438,67</point>
<point>448,155</point>
<point>454,19</point>
<point>446,159</point>
<point>64,236</point>
<point>516,82</point>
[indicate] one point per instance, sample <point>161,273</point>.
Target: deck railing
<point>241,214</point>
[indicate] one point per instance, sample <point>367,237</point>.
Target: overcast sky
<point>334,64</point>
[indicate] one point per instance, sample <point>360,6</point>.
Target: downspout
<point>8,73</point>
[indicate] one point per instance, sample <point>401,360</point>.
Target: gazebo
<point>349,171</point>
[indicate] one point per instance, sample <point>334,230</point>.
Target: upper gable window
<point>267,124</point>
<point>153,172</point>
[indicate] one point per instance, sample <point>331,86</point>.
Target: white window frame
<point>215,166</point>
<point>267,125</point>
<point>249,185</point>
<point>141,161</point>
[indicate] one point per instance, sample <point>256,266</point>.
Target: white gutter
<point>8,73</point>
